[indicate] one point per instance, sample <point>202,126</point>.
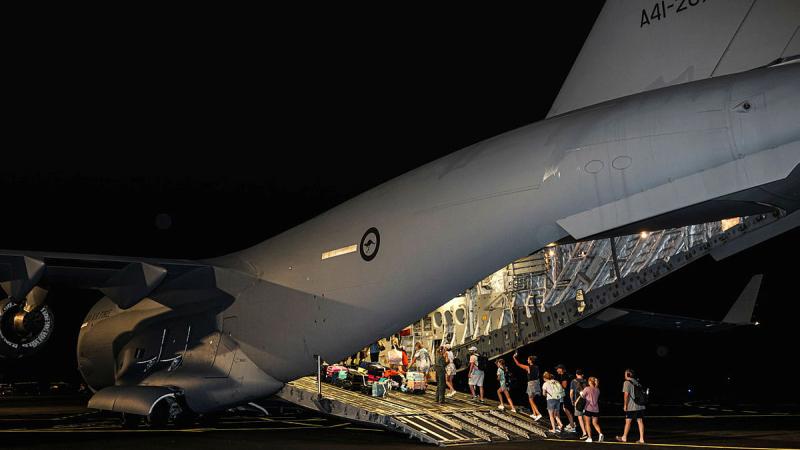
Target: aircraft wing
<point>125,280</point>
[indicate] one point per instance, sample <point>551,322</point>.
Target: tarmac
<point>63,422</point>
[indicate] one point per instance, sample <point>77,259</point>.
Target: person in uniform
<point>441,373</point>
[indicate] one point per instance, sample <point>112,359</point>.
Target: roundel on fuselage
<point>370,244</point>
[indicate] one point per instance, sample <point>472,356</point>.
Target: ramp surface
<point>460,421</point>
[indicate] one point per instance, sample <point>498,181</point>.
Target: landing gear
<point>130,421</point>
<point>159,416</point>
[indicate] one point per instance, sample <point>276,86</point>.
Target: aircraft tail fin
<point>636,46</point>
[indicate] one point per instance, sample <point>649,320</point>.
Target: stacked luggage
<point>373,379</point>
<point>416,383</point>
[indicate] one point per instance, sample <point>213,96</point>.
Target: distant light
<point>757,323</point>
<point>551,253</point>
<point>690,391</point>
<point>644,234</point>
<point>552,244</point>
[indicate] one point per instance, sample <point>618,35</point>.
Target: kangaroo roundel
<point>370,243</point>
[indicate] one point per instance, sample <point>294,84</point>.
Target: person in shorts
<point>575,388</point>
<point>475,374</point>
<point>633,410</point>
<point>534,388</point>
<point>563,377</point>
<point>591,412</point>
<point>504,387</point>
<point>553,392</point>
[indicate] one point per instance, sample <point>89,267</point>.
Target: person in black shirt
<point>534,387</point>
<point>575,388</point>
<point>563,377</point>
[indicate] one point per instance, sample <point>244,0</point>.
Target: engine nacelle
<point>23,330</point>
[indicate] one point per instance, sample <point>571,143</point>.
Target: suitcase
<point>332,369</point>
<point>356,379</point>
<point>415,382</point>
<point>379,389</point>
<point>373,369</point>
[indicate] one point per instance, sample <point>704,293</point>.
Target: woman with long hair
<point>591,412</point>
<point>553,392</point>
<point>502,380</point>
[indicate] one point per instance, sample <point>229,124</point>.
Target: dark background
<point>190,137</point>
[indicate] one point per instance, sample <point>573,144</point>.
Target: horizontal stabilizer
<point>741,313</point>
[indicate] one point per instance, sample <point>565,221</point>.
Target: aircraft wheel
<point>130,421</point>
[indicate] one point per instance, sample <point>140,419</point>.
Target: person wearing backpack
<point>553,392</point>
<point>534,388</point>
<point>633,405</point>
<point>421,359</point>
<point>575,388</point>
<point>564,378</point>
<point>477,367</point>
<point>503,381</point>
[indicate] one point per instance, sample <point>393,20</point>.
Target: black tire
<point>159,416</point>
<point>130,421</point>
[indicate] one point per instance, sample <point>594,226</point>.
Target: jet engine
<point>25,325</point>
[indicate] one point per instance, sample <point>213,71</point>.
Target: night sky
<point>211,137</point>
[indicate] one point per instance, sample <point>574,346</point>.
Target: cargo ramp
<point>460,421</point>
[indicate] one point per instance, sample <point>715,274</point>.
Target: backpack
<point>481,363</point>
<point>509,377</point>
<point>395,357</point>
<point>580,404</point>
<point>640,395</point>
<point>581,386</point>
<point>559,390</point>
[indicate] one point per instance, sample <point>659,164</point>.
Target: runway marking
<point>650,444</point>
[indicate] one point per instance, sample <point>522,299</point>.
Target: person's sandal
<point>619,439</point>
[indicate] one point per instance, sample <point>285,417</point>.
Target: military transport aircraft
<point>675,112</point>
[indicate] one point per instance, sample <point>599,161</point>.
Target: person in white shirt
<point>421,358</point>
<point>475,374</point>
<point>450,370</point>
<point>553,392</point>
